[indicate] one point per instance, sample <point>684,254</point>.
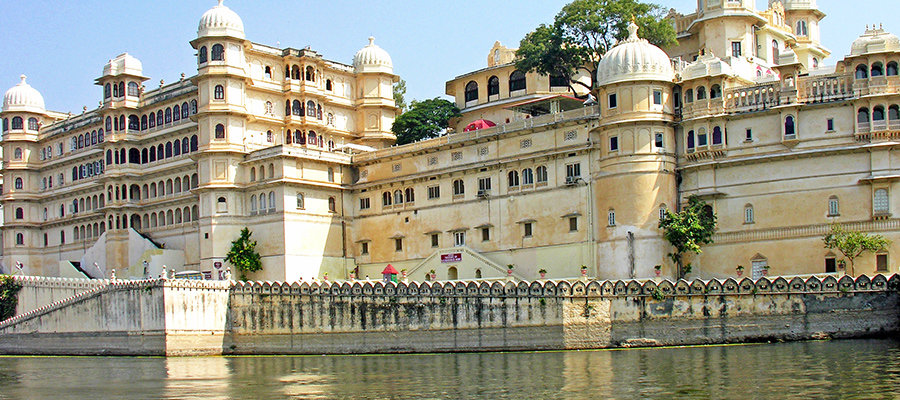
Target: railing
<point>824,88</point>
<point>753,98</point>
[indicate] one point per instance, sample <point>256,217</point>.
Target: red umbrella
<point>389,270</point>
<point>479,124</point>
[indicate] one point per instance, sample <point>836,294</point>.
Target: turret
<point>376,112</point>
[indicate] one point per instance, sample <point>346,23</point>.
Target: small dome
<point>123,64</point>
<point>634,59</point>
<point>373,59</point>
<point>875,41</point>
<point>221,21</point>
<point>787,56</point>
<point>23,97</point>
<point>706,65</point>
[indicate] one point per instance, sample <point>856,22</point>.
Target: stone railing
<point>753,98</point>
<point>825,88</point>
<point>577,288</point>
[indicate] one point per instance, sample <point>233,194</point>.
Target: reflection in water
<point>835,369</point>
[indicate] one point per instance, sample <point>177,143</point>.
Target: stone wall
<point>192,317</point>
<point>38,291</point>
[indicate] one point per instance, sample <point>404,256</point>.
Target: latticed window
<point>833,206</point>
<point>880,203</point>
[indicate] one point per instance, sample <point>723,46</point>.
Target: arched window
<point>221,205</point>
<point>168,149</point>
<point>328,85</point>
<point>541,174</point>
<point>184,110</point>
<point>160,152</point>
<point>815,63</point>
<point>262,202</point>
<point>513,179</point>
<point>168,115</point>
<point>310,74</point>
<point>459,187</point>
<point>471,91</point>
<point>176,113</point>
<point>176,148</point>
<point>217,53</point>
<point>398,197</point>
<point>311,109</point>
<point>271,201</point>
<point>17,123</point>
<point>220,131</point>
<point>892,68</point>
<point>775,50</point>
<point>880,202</point>
<point>689,96</point>
<point>493,86</point>
<point>748,214</point>
<point>862,72</point>
<point>701,93</point>
<point>297,108</point>
<point>311,138</point>
<point>878,113</point>
<point>410,195</point>
<point>330,174</point>
<point>202,57</point>
<point>662,212</point>
<point>17,154</point>
<point>801,28</point>
<point>833,206</point>
<point>386,199</point>
<point>20,213</point>
<point>717,135</point>
<point>894,113</point>
<point>185,146</point>
<point>877,69</point>
<point>517,81</point>
<point>270,137</point>
<point>701,137</point>
<point>690,139</point>
<point>300,203</point>
<point>253,203</point>
<point>159,118</point>
<point>32,124</point>
<point>527,176</point>
<point>295,72</point>
<point>193,107</point>
<point>133,89</point>
<point>107,91</point>
<point>20,239</point>
<point>267,72</point>
<point>715,92</point>
<point>121,89</point>
<point>611,217</point>
<point>194,144</point>
<point>789,128</point>
<point>862,115</point>
<point>115,90</point>
<point>19,184</point>
<point>219,93</point>
<point>332,204</point>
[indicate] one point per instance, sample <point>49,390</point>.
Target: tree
<point>853,243</point>
<point>400,96</point>
<point>687,230</point>
<point>9,296</point>
<point>583,31</point>
<point>424,120</point>
<point>243,254</point>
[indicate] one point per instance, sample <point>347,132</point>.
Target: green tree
<point>400,96</point>
<point>853,243</point>
<point>243,254</point>
<point>424,120</point>
<point>583,31</point>
<point>687,230</point>
<point>9,290</point>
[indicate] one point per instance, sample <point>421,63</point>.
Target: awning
<point>389,270</point>
<point>479,124</point>
<point>547,105</point>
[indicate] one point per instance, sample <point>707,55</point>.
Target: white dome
<point>23,97</point>
<point>634,59</point>
<point>221,21</point>
<point>373,59</point>
<point>875,41</point>
<point>123,64</point>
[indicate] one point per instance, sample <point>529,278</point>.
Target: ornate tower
<point>375,99</point>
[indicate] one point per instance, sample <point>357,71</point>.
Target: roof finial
<point>22,77</point>
<point>220,3</point>
<point>632,30</point>
<point>371,40</point>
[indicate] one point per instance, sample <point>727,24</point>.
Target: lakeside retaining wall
<point>189,317</point>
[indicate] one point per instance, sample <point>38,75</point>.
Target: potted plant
<point>766,270</point>
<point>509,268</point>
<point>583,271</point>
<point>841,265</point>
<point>740,270</point>
<point>432,274</point>
<point>325,277</point>
<point>658,270</point>
<point>403,272</point>
<point>543,273</point>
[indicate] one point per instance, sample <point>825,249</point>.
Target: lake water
<point>827,369</point>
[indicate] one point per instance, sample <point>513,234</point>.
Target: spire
<point>220,3</point>
<point>371,40</point>
<point>632,30</point>
<point>22,77</point>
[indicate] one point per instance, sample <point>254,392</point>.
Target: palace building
<point>743,113</point>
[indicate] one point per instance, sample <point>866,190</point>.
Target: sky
<point>62,46</point>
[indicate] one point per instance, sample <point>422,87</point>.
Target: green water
<point>846,369</point>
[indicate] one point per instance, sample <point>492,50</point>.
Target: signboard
<point>207,275</point>
<point>218,264</point>
<point>451,258</point>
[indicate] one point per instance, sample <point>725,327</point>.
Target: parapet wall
<point>161,317</point>
<point>39,291</point>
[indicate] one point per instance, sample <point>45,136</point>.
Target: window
<point>33,124</point>
<point>658,140</point>
<point>573,170</point>
<point>17,154</point>
<point>493,86</point>
<point>775,49</point>
<point>878,113</point>
<point>434,240</point>
<point>220,131</point>
<point>20,213</point>
<point>17,123</point>
<point>748,136</point>
<point>881,262</point>
<point>833,206</point>
<point>201,58</point>
<point>330,174</point>
<point>459,187</point>
<point>892,68</point>
<point>364,248</point>
<point>485,234</point>
<point>398,197</point>
<point>20,239</point>
<point>398,244</point>
<point>516,81</point>
<point>613,103</point>
<point>332,204</point>
<point>459,238</point>
<point>877,69</point>
<point>662,212</point>
<point>471,91</point>
<point>386,199</point>
<point>614,143</point>
<point>759,265</point>
<point>542,174</point>
<point>611,217</point>
<point>527,176</point>
<point>434,192</point>
<point>253,204</point>
<point>222,204</point>
<point>513,179</point>
<point>19,184</point>
<point>789,128</point>
<point>218,95</point>
<point>689,96</point>
<point>880,203</point>
<point>410,195</point>
<point>715,92</point>
<point>529,229</point>
<point>300,201</point>
<point>748,214</point>
<point>717,135</point>
<point>558,80</point>
<point>701,137</point>
<point>657,97</point>
<point>830,264</point>
<point>701,93</point>
<point>364,203</point>
<point>735,49</point>
<point>862,72</point>
<point>573,224</point>
<point>484,185</point>
<point>218,53</point>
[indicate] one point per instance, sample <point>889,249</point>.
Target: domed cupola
<point>124,64</point>
<point>875,41</point>
<point>372,59</point>
<point>221,21</point>
<point>634,59</point>
<point>23,98</point>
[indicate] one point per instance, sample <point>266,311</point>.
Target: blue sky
<point>62,45</point>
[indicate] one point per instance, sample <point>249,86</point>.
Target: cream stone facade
<point>742,112</point>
